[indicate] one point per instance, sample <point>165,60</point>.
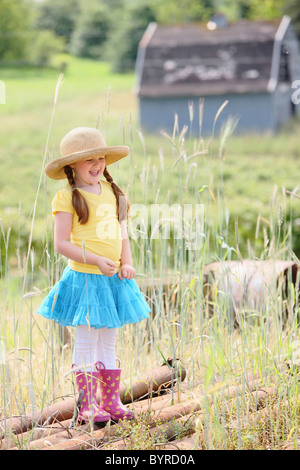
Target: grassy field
<point>253,167</point>
<point>247,214</point>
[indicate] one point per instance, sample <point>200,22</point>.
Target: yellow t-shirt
<point>101,234</point>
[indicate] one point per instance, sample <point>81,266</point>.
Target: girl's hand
<point>126,271</point>
<point>106,266</point>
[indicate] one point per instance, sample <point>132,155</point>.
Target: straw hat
<point>80,143</point>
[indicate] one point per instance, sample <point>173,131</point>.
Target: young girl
<point>96,293</point>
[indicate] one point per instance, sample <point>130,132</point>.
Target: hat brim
<point>55,169</point>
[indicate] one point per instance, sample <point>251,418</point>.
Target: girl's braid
<point>122,201</point>
<point>78,201</point>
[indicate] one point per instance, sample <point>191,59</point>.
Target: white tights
<point>93,345</point>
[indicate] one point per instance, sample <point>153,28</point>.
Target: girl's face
<point>89,171</point>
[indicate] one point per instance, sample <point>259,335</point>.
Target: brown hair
<point>80,205</point>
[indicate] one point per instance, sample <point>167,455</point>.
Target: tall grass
<point>35,361</point>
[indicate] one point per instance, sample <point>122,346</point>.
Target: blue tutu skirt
<point>95,300</point>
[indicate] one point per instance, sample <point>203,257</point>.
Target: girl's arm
<point>62,244</point>
<point>126,270</point>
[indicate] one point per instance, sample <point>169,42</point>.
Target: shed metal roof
<point>193,60</point>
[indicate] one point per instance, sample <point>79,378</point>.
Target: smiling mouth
<point>95,173</point>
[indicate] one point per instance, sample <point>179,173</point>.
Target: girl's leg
<point>93,345</point>
<point>86,376</point>
<point>110,375</point>
<point>85,347</point>
<point>106,347</point>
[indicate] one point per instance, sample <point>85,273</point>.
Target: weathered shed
<point>252,64</point>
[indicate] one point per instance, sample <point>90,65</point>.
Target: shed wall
<point>255,112</point>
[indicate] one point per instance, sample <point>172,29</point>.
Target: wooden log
<point>80,441</point>
<point>149,401</point>
<point>184,443</point>
<point>62,441</point>
<point>162,377</point>
<point>22,440</point>
<point>60,411</point>
<point>258,395</point>
<point>64,433</point>
<point>68,435</point>
<point>158,403</point>
<point>184,425</point>
<point>163,432</point>
<point>186,407</point>
<point>165,376</point>
<point>101,437</point>
<point>172,405</point>
<point>261,396</point>
<point>179,410</point>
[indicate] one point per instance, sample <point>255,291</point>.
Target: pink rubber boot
<point>109,393</point>
<point>89,409</point>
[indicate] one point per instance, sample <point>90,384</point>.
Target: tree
<point>127,28</point>
<point>177,11</point>
<point>15,19</point>
<point>59,16</point>
<point>266,10</point>
<point>91,29</point>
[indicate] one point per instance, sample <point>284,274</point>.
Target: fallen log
<point>184,443</point>
<point>68,436</point>
<point>291,446</point>
<point>161,415</point>
<point>62,434</point>
<point>84,440</point>
<point>22,440</point>
<point>100,438</point>
<point>160,378</point>
<point>167,419</point>
<point>160,433</point>
<point>261,396</point>
<point>60,411</point>
<point>80,441</point>
<point>162,409</point>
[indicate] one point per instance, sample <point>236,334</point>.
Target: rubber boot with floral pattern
<point>109,393</point>
<point>89,409</point>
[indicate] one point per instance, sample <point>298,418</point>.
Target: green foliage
<point>15,19</point>
<point>176,11</point>
<point>91,30</point>
<point>46,46</point>
<point>128,27</point>
<point>58,16</point>
<point>266,10</point>
<point>250,9</point>
<point>137,434</point>
<point>22,40</point>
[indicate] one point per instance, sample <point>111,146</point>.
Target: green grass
<point>247,213</point>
